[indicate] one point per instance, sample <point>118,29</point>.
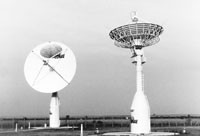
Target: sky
<point>104,83</point>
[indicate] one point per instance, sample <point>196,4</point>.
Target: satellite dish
<point>50,67</point>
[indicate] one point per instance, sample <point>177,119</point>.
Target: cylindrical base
<point>140,114</point>
<point>54,121</point>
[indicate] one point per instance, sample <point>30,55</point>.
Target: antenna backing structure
<point>136,34</point>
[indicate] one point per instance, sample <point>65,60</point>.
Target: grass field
<point>42,133</point>
<point>58,132</point>
<point>65,132</point>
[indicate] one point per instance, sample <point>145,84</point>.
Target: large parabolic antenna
<point>135,36</point>
<point>48,69</point>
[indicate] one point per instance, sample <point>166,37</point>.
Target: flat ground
<point>64,132</point>
<point>56,132</point>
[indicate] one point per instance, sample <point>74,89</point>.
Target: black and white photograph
<point>99,68</point>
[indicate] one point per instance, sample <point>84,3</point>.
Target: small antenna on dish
<point>134,18</point>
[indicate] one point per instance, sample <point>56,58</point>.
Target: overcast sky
<point>104,83</point>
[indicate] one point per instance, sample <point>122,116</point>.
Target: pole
<point>16,127</point>
<point>81,134</point>
<point>29,125</point>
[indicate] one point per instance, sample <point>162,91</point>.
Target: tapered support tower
<point>140,111</point>
<point>54,120</point>
<point>136,36</point>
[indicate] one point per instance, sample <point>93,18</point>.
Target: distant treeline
<point>108,117</point>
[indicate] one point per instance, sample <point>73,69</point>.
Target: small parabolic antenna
<point>48,69</point>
